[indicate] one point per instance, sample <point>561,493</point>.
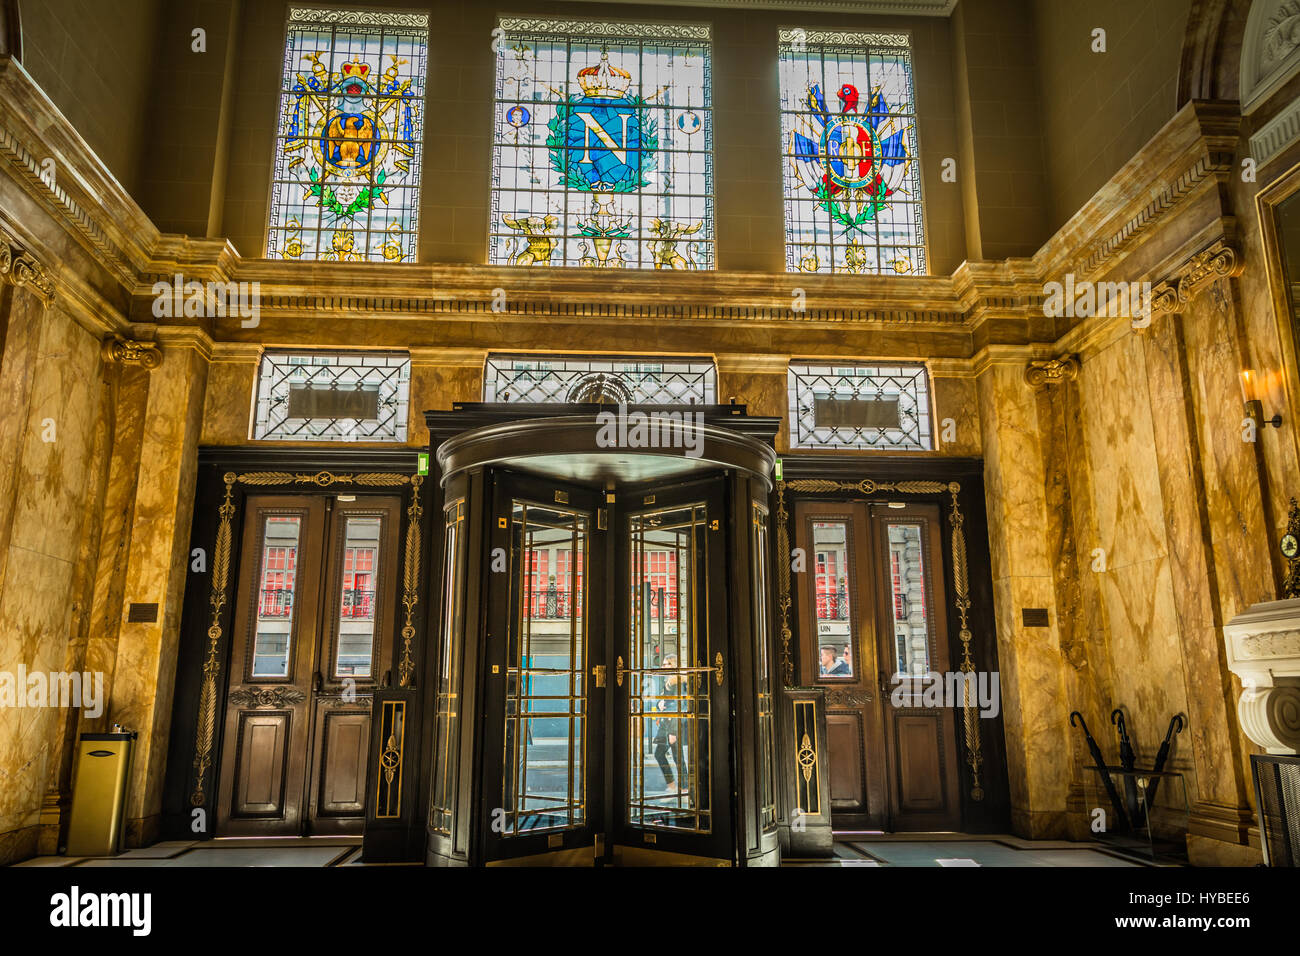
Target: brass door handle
<point>716,670</point>
<point>598,672</point>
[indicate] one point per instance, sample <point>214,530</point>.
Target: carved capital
<point>130,352</point>
<point>1216,261</point>
<point>1041,373</point>
<point>20,268</point>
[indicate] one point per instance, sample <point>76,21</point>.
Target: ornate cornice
<point>83,196</point>
<point>1216,261</point>
<point>1192,153</point>
<point>1041,373</point>
<point>902,8</point>
<point>130,352</point>
<point>20,268</point>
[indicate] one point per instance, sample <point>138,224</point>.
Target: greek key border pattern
<point>549,26</point>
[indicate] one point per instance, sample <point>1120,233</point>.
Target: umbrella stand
<point>1100,761</point>
<point>1162,755</point>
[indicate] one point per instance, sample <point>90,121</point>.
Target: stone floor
<point>958,849</point>
<point>851,849</point>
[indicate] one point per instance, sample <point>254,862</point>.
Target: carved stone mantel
<point>1263,644</point>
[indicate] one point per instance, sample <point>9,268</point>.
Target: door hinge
<point>598,672</point>
<point>713,525</point>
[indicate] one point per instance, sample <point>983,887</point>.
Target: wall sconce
<point>1254,407</point>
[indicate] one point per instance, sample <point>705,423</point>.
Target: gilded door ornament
<point>212,665</point>
<point>836,697</point>
<point>806,758</point>
<point>783,583</point>
<point>410,584</point>
<point>265,696</point>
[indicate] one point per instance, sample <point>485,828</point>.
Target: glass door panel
<point>669,781</point>
<point>834,618</point>
<point>277,578</point>
<point>356,625</point>
<point>907,600</point>
<point>545,714</point>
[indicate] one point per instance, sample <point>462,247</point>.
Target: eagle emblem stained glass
<point>602,151</point>
<point>347,164</point>
<point>852,179</point>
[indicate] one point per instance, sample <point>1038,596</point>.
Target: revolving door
<point>604,676</point>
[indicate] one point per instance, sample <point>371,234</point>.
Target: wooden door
<point>359,607</point>
<point>312,627</point>
<point>919,697</point>
<point>838,651</point>
<point>273,655</point>
<point>873,627</point>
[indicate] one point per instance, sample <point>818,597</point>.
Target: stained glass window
<point>878,406</point>
<point>852,178</point>
<point>602,149</point>
<point>332,396</point>
<point>348,144</point>
<point>635,380</point>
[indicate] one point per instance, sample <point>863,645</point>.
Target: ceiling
<point>911,8</point>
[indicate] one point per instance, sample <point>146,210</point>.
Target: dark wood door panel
<point>848,775</point>
<point>315,611</point>
<point>260,764</point>
<point>345,746</point>
<point>920,771</point>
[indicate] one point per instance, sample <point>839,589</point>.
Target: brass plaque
<point>1034,616</point>
<point>142,613</point>
<point>555,840</point>
<point>561,497</point>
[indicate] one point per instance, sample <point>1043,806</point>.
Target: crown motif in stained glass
<point>604,80</point>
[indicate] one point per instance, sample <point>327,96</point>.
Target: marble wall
<point>50,380</point>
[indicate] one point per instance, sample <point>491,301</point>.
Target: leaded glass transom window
<point>632,380</point>
<point>879,406</point>
<point>346,185</point>
<point>333,396</point>
<point>852,177</point>
<point>602,150</point>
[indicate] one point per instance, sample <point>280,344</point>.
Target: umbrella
<point>1127,760</point>
<point>1162,755</point>
<point>1100,761</point>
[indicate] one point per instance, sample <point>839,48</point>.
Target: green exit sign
<point>423,463</point>
<point>778,470</point>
